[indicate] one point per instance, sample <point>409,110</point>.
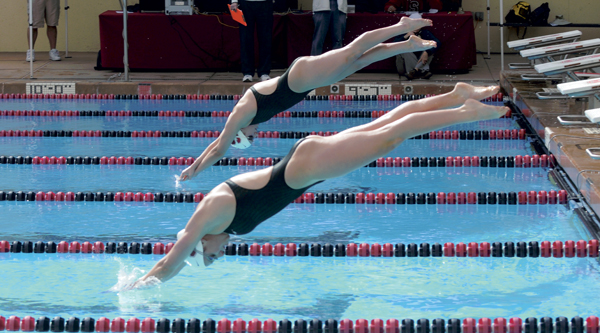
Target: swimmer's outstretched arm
<point>169,266</point>
<point>214,213</point>
<point>241,117</point>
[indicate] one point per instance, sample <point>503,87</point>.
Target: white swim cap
<point>241,141</point>
<point>196,258</point>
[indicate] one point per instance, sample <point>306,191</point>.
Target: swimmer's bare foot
<point>466,91</point>
<point>407,24</point>
<point>482,111</point>
<point>417,44</point>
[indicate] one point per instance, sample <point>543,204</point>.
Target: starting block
<point>528,43</point>
<point>593,116</point>
<point>549,54</point>
<point>567,67</point>
<point>580,88</point>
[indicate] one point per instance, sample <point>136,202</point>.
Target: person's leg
<point>412,65</point>
<point>321,20</point>
<point>52,33</point>
<point>410,61</point>
<point>264,31</point>
<point>461,92</point>
<point>34,35</point>
<point>320,158</point>
<point>247,39</point>
<point>400,64</point>
<point>52,13</point>
<point>338,26</point>
<point>380,52</point>
<point>328,68</point>
<point>426,66</point>
<point>38,8</point>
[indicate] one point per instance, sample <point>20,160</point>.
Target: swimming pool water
<point>155,178</point>
<point>286,287</point>
<point>188,105</point>
<point>277,288</point>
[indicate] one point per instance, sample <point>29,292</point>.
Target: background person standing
<point>48,10</point>
<point>328,15</point>
<point>258,15</point>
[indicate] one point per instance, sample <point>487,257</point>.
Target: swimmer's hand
<point>139,284</point>
<point>188,173</point>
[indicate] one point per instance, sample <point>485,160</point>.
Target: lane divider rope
<point>519,161</point>
<point>532,249</point>
<point>442,198</point>
<point>194,325</point>
<point>507,134</point>
<point>398,97</point>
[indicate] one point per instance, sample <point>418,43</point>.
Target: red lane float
<point>158,248</point>
<point>449,250</point>
<point>132,325</point>
<point>351,250</point>
<point>117,325</point>
<point>13,324</point>
<point>103,325</point>
<point>500,325</point>
<point>484,325</point>
<point>148,325</point>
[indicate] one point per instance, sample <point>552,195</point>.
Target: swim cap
<point>196,258</point>
<point>241,141</point>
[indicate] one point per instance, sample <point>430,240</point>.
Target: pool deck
<point>14,74</point>
<point>568,150</point>
<point>568,143</point>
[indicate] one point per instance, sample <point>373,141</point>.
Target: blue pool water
<point>281,287</point>
<point>202,123</point>
<point>188,105</point>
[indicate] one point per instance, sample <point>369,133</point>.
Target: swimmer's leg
<point>316,71</point>
<point>328,157</point>
<point>383,51</point>
<point>461,92</point>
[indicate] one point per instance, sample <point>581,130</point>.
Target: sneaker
<point>265,77</point>
<point>247,78</point>
<point>54,55</point>
<point>412,74</point>
<point>30,55</point>
<point>426,75</point>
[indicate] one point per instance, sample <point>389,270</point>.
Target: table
<point>178,42</point>
<point>211,42</point>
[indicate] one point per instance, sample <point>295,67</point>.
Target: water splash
<point>127,277</point>
<point>178,184</point>
<point>144,297</point>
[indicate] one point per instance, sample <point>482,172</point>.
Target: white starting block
<point>528,43</point>
<point>590,45</point>
<point>567,67</point>
<point>594,116</point>
<point>580,88</point>
<point>549,53</point>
